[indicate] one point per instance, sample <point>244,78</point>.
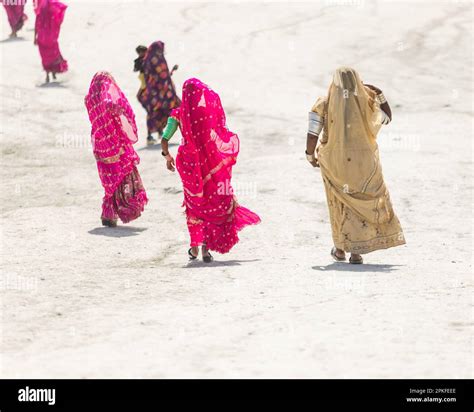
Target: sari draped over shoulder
<point>361,213</point>
<point>158,97</point>
<point>15,13</point>
<point>205,158</point>
<point>113,134</point>
<point>49,17</point>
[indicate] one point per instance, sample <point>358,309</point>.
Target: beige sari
<point>362,216</point>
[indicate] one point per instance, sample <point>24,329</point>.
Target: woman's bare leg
<point>47,77</point>
<point>340,253</point>
<point>206,256</point>
<point>355,258</point>
<point>150,140</point>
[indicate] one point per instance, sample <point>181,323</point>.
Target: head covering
<point>349,156</point>
<point>159,96</point>
<point>113,130</point>
<point>204,162</point>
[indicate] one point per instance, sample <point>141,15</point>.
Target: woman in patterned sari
<point>361,213</point>
<point>157,94</point>
<point>114,132</point>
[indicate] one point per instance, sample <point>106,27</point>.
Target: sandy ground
<point>79,300</point>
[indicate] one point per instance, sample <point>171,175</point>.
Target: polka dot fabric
<point>204,161</point>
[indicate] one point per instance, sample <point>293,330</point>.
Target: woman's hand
<point>311,158</point>
<point>170,164</point>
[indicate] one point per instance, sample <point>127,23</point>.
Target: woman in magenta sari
<point>114,132</point>
<point>205,158</point>
<point>49,17</point>
<point>15,13</point>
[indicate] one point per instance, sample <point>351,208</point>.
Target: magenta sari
<point>204,162</point>
<point>49,17</point>
<point>15,13</point>
<point>114,132</point>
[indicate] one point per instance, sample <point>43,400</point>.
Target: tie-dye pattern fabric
<point>114,132</point>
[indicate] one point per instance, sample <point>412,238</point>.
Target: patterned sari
<point>361,213</point>
<point>15,13</point>
<point>114,132</point>
<point>49,17</point>
<point>204,162</point>
<point>158,97</point>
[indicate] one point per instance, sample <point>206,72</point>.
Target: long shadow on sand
<point>51,85</point>
<point>366,267</point>
<point>156,147</point>
<point>12,39</point>
<point>216,263</point>
<point>119,231</point>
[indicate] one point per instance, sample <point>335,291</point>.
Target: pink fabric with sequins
<point>113,131</point>
<point>204,162</point>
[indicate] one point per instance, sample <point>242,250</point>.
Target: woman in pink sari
<point>114,132</point>
<point>205,158</point>
<point>49,17</point>
<point>15,13</point>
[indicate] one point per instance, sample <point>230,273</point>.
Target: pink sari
<point>204,161</point>
<point>114,132</point>
<point>49,17</point>
<point>15,13</point>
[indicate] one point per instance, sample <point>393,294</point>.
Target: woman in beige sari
<point>349,117</point>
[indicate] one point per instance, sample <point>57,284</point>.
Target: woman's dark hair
<point>141,49</point>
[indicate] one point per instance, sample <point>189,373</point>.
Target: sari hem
<point>372,245</point>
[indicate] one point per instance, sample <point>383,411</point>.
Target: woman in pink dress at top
<point>49,17</point>
<point>114,132</point>
<point>204,161</point>
<point>15,13</point>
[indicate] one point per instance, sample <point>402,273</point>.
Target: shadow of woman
<point>119,231</point>
<point>156,146</point>
<point>12,39</point>
<point>216,263</point>
<point>366,267</point>
<point>52,85</point>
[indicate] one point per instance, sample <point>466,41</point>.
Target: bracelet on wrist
<point>310,157</point>
<point>167,156</point>
<point>381,98</point>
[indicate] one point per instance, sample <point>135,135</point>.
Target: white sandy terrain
<point>80,300</point>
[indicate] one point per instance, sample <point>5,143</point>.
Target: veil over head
<point>349,157</point>
<point>209,143</point>
<point>106,96</point>
<point>205,159</point>
<point>113,130</point>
